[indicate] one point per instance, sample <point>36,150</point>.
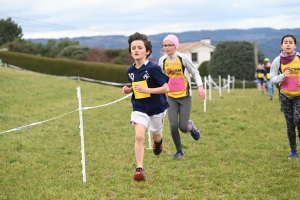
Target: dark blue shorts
<point>260,81</point>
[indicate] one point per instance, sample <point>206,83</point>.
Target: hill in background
<point>268,39</point>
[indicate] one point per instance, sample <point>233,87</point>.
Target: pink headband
<point>173,39</point>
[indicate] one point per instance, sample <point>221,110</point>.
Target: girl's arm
<point>276,76</point>
<point>187,62</point>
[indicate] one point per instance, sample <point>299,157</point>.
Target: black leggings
<point>291,109</point>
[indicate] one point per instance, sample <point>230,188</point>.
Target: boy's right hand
<point>126,90</point>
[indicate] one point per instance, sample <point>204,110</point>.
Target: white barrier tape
<point>224,86</point>
<point>104,82</point>
<point>86,108</point>
<point>83,108</point>
<point>36,123</point>
<point>217,87</point>
<point>212,81</point>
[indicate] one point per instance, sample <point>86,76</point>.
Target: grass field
<point>242,153</point>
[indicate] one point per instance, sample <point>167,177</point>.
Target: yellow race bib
<point>140,95</point>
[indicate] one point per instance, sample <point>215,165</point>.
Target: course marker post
<point>149,139</point>
<point>220,86</point>
<point>81,134</point>
<point>209,86</point>
<point>228,87</point>
<point>205,83</point>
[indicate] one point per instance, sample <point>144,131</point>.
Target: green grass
<point>242,153</point>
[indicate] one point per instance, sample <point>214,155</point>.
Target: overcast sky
<point>76,18</point>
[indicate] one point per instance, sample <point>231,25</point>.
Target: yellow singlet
<point>175,70</point>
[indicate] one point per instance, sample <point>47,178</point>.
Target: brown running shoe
<point>139,174</point>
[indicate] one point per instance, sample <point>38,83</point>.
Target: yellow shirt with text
<point>294,66</point>
<point>176,70</point>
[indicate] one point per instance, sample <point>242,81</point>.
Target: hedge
<point>63,67</point>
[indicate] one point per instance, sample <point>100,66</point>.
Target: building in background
<point>198,51</point>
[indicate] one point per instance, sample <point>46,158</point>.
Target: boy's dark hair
<point>289,35</point>
<point>142,37</point>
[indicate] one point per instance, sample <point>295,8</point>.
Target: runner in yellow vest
<point>285,70</point>
<point>179,68</point>
<point>260,79</point>
<point>270,86</point>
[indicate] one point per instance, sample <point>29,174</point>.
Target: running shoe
<point>293,154</point>
<point>178,154</point>
<point>157,147</point>
<point>139,174</point>
<point>195,133</point>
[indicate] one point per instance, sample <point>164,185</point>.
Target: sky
<point>84,18</point>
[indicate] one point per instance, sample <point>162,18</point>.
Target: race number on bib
<point>290,83</point>
<point>140,95</point>
<point>176,84</point>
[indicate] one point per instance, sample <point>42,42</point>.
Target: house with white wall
<point>198,51</point>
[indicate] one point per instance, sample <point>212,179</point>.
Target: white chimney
<point>206,40</point>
